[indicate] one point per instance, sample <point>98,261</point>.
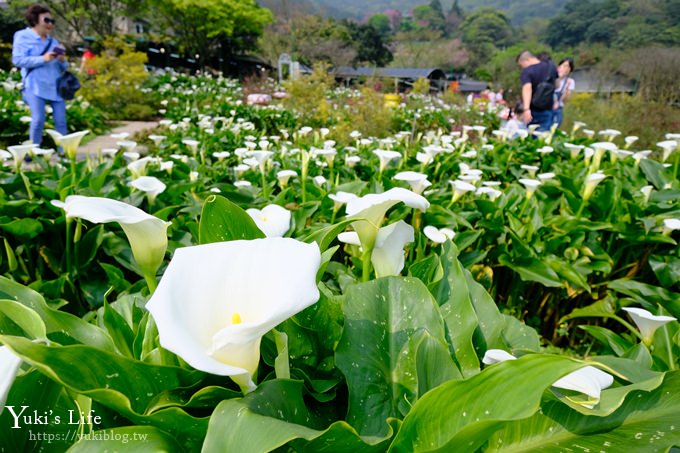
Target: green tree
<point>425,16</point>
<point>370,45</point>
<point>200,26</point>
<point>381,23</point>
<point>484,32</point>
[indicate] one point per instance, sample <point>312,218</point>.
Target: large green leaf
<point>532,270</point>
<point>24,229</point>
<point>453,295</point>
<point>666,268</point>
<point>64,326</point>
<point>380,352</point>
<point>275,415</point>
<point>649,294</point>
<point>222,220</point>
<point>36,392</point>
<point>324,236</point>
<point>646,422</point>
<point>124,385</point>
<point>462,415</point>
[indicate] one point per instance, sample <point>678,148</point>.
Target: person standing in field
<point>564,86</point>
<point>538,90</point>
<point>42,60</point>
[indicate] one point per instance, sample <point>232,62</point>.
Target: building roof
<point>470,85</point>
<point>398,73</point>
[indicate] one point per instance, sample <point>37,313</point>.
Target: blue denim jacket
<point>42,81</point>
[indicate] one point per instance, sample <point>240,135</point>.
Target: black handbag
<point>67,85</point>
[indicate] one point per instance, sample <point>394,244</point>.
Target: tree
<point>427,17</point>
<point>200,26</point>
<point>484,32</point>
<point>454,18</point>
<point>381,23</point>
<point>370,45</point>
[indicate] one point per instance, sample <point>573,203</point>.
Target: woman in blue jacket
<point>41,59</point>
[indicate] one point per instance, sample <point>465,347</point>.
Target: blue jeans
<point>37,106</point>
<point>543,118</point>
<point>557,117</point>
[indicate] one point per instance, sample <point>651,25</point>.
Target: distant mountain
<point>519,11</point>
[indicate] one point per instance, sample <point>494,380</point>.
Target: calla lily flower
<point>629,140</point>
<point>668,147</point>
<point>273,220</point>
<point>532,169</point>
<point>351,161</point>
<point>647,322</point>
<point>128,145</point>
<point>220,331</point>
<point>341,198</point>
<point>386,157</point>
<point>438,235</point>
<point>284,175</point>
<point>587,380</point>
<point>671,224</point>
<point>417,181</point>
<point>192,144</point>
<point>492,356</point>
<point>319,181</point>
<point>261,157</point>
<point>387,256</point>
<point>19,152</point>
<point>490,191</point>
<point>531,185</point>
<point>647,192</point>
<point>147,234</point>
<point>69,143</point>
<point>221,155</point>
<point>9,366</point>
<point>591,182</point>
<point>157,139</point>
<point>370,210</point>
<point>149,184</point>
<point>460,188</point>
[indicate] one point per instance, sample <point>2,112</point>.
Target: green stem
<point>366,265</point>
<point>68,245</point>
<point>265,187</point>
<point>580,208</point>
<point>150,282</point>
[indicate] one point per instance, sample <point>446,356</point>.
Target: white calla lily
<point>492,356</point>
<point>147,234</point>
<point>531,185</point>
<point>438,235</point>
<point>370,210</point>
<point>151,185</point>
<point>9,366</point>
<point>386,156</point>
<point>417,181</point>
<point>647,322</point>
<point>388,254</point>
<point>591,182</point>
<point>273,220</point>
<point>587,380</point>
<point>220,331</point>
<point>284,176</point>
<point>19,152</point>
<point>69,143</point>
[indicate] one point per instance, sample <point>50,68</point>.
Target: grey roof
<point>469,85</point>
<point>398,73</point>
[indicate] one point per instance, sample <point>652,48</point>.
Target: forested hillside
<point>518,11</point>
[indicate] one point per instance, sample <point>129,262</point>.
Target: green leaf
<point>222,220</point>
<point>655,173</point>
<point>126,439</point>
<point>47,397</point>
<point>519,336</point>
<point>532,270</point>
<point>324,236</point>
<point>646,422</point>
<point>453,295</point>
<point>118,328</point>
<point>492,323</point>
<point>462,415</point>
<point>65,326</point>
<point>281,364</point>
<point>646,293</point>
<point>86,249</point>
<point>24,229</point>
<point>378,353</point>
<point>428,270</point>
<point>617,343</point>
<point>27,319</point>
<point>666,268</point>
<point>275,415</point>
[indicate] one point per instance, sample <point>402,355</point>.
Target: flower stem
<point>150,282</point>
<point>366,265</point>
<point>68,245</point>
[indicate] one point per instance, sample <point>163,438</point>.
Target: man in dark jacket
<point>538,88</point>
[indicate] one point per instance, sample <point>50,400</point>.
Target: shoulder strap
<point>44,51</point>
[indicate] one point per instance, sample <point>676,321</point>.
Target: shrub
<point>308,96</point>
<point>116,84</point>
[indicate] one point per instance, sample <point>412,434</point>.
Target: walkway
<point>106,141</point>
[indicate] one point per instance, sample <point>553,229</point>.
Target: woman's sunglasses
<point>48,20</point>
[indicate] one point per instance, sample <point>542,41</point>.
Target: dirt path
<point>106,141</point>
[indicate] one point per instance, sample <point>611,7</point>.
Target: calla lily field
<point>247,279</point>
